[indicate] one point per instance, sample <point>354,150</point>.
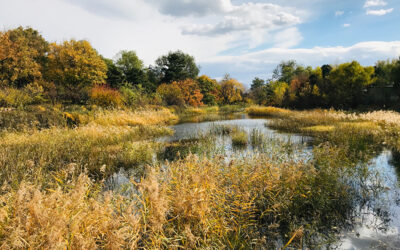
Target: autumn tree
<point>176,66</point>
<point>75,67</point>
<point>190,91</point>
<point>209,89</point>
<point>231,90</point>
<point>22,56</point>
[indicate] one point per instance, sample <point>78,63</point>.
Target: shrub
<point>135,96</point>
<point>171,94</point>
<point>11,97</point>
<point>105,97</point>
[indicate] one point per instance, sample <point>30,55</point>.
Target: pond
<point>374,220</point>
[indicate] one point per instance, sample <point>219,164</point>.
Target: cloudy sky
<point>243,38</point>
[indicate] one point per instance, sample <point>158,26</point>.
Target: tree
<point>285,71</point>
<point>209,89</point>
<point>257,83</point>
<point>395,75</point>
<point>231,90</point>
<point>22,56</point>
<point>279,91</point>
<point>115,76</point>
<point>258,91</point>
<point>133,70</point>
<point>75,67</point>
<point>190,91</point>
<point>326,70</point>
<point>176,66</point>
<point>348,81</point>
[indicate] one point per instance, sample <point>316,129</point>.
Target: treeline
<point>33,71</point>
<point>347,85</point>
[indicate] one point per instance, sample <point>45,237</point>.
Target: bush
<point>171,94</point>
<point>135,96</point>
<point>105,97</point>
<point>11,97</point>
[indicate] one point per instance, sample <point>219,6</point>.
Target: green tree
<point>258,91</point>
<point>75,67</point>
<point>133,70</point>
<point>395,75</point>
<point>176,66</point>
<point>257,83</point>
<point>115,76</point>
<point>348,81</point>
<point>22,56</point>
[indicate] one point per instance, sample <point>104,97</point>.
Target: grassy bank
<point>357,131</point>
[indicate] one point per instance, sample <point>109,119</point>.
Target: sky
<point>246,39</point>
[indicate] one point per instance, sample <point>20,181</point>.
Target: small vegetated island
<point>110,153</point>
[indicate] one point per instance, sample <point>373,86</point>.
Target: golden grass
<point>266,111</point>
<point>161,116</point>
<point>319,128</point>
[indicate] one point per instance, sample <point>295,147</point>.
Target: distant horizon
<point>246,39</point>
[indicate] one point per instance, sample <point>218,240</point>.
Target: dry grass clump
<point>388,117</point>
<point>72,217</point>
<point>267,111</point>
<point>239,138</point>
<point>190,203</point>
<point>161,116</point>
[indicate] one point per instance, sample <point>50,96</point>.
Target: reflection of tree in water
<point>395,162</point>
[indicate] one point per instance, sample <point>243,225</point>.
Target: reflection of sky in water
<point>371,231</point>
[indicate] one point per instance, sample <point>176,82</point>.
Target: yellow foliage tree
<point>22,56</point>
<point>75,67</point>
<point>231,90</point>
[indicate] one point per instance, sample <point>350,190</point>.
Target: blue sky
<point>243,38</point>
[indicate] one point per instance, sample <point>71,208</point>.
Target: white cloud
<point>374,3</point>
<point>246,17</point>
<point>380,12</point>
<point>339,13</point>
<point>346,25</point>
<point>287,38</point>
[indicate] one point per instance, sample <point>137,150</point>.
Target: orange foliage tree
<point>181,92</point>
<point>190,92</point>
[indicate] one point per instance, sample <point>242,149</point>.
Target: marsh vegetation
<point>235,183</point>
